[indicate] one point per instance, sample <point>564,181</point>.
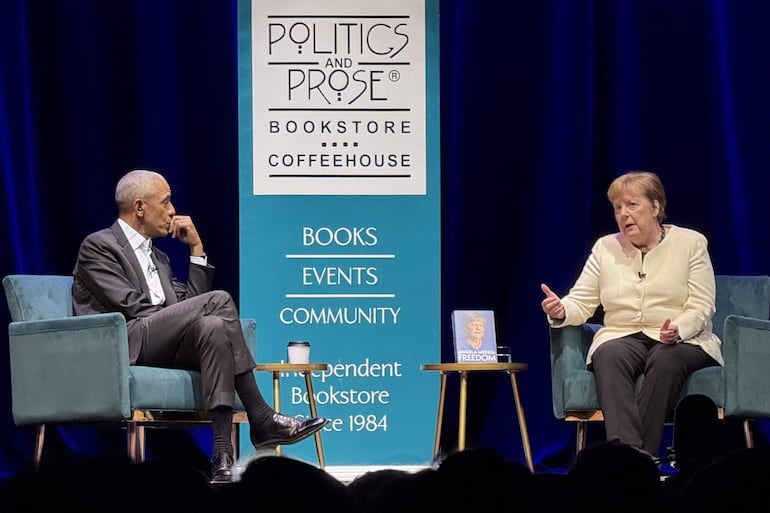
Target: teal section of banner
<point>355,269</point>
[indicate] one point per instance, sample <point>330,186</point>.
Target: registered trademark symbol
<point>395,75</point>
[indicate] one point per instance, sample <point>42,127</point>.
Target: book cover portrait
<point>474,336</point>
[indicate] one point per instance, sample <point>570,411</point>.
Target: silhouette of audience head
<point>698,433</point>
<point>733,483</point>
<point>110,484</point>
<point>370,487</point>
<point>282,482</point>
<point>388,490</point>
<point>481,478</point>
<point>613,477</point>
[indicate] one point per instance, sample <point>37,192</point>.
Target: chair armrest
<point>746,350</point>
<point>569,348</point>
<point>69,369</point>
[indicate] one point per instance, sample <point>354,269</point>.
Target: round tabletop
<point>287,367</point>
<point>467,367</point>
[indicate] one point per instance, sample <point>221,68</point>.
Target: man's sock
<point>222,427</point>
<point>257,410</point>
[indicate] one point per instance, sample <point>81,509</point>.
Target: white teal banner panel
<point>340,215</point>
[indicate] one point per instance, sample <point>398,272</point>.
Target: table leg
<point>522,422</point>
<point>277,399</point>
<point>314,413</point>
<point>441,395</point>
<point>463,405</point>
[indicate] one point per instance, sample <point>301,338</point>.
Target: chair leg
<point>581,436</point>
<point>135,441</point>
<point>747,434</point>
<point>39,439</point>
<point>131,441</point>
<point>140,431</point>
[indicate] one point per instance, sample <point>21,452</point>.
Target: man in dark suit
<point>174,324</point>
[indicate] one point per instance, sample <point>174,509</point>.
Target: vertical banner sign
<point>340,216</point>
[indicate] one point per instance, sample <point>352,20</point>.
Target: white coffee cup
<point>299,351</point>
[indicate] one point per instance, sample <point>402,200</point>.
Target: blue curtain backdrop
<point>542,104</point>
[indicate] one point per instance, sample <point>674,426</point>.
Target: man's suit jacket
<point>109,278</point>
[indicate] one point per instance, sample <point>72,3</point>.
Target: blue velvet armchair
<point>740,389</point>
<point>75,369</point>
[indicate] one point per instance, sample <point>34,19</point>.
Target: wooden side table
<point>306,370</point>
<point>464,369</point>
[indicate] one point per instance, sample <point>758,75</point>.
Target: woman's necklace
<point>662,236</point>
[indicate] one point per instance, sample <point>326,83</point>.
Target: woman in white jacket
<point>656,285</point>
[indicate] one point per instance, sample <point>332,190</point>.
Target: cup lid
<point>299,343</point>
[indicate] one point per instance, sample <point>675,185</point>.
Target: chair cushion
<point>159,388</point>
<point>580,391</point>
<point>580,388</point>
<point>708,382</point>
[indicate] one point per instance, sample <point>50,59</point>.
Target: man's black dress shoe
<point>222,467</point>
<point>284,430</point>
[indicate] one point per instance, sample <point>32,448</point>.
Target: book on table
<point>473,332</point>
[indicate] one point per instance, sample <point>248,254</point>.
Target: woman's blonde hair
<point>646,182</point>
